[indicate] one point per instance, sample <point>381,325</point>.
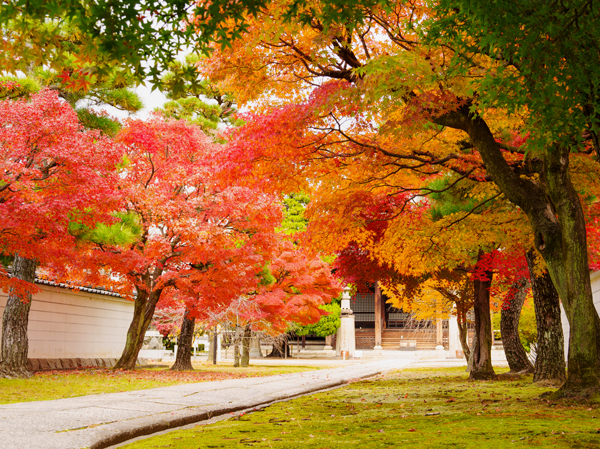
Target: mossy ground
<point>424,408</point>
<point>48,385</point>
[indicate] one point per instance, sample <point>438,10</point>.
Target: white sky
<point>151,99</point>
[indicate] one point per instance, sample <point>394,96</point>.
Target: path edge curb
<point>173,423</point>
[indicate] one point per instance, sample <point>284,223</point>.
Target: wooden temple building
<point>368,322</point>
<point>379,325</point>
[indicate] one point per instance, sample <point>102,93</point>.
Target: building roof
<point>96,290</point>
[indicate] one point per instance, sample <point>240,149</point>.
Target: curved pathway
<point>99,421</point>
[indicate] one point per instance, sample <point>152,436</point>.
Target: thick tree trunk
<point>555,214</point>
<point>570,274</point>
<point>550,361</point>
<point>246,346</point>
<point>143,311</point>
<point>482,350</point>
<point>183,361</point>
<point>15,344</point>
<point>509,328</point>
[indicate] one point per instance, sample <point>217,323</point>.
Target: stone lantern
<point>346,338</point>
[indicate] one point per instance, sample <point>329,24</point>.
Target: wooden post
<point>384,315</point>
<point>378,330</point>
<point>328,341</point>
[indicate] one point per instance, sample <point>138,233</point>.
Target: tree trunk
<point>550,362</point>
<point>143,311</point>
<point>209,332</point>
<point>183,362</point>
<point>463,333</point>
<point>570,274</point>
<point>279,346</point>
<point>555,214</point>
<point>15,344</point>
<point>211,344</point>
<point>482,350</point>
<point>236,346</point>
<point>509,328</point>
<point>246,346</point>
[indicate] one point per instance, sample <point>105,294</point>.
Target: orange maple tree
<point>374,106</point>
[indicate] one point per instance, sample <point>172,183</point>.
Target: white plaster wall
<point>65,324</point>
<point>595,278</point>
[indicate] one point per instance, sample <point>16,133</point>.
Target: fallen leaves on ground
<point>162,375</point>
<point>59,384</point>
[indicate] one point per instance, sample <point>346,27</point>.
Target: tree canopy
<point>386,106</point>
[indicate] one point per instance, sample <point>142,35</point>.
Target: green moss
<point>415,408</point>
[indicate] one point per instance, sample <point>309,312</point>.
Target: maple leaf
<point>65,77</point>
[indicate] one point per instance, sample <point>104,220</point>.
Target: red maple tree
<point>53,173</point>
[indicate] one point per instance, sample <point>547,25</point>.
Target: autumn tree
<point>101,90</point>
<point>458,200</point>
<point>409,102</point>
<point>145,35</point>
<point>294,224</point>
<point>191,228</point>
<point>199,103</point>
<point>54,173</point>
<point>422,252</point>
<point>292,287</point>
<point>523,35</point>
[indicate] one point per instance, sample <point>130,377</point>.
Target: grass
<point>422,408</point>
<point>49,385</point>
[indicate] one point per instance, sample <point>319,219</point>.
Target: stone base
<point>346,337</point>
<point>313,354</point>
<point>74,363</point>
<point>155,354</point>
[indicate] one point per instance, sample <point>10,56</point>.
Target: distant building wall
<point>64,323</point>
<point>595,278</point>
